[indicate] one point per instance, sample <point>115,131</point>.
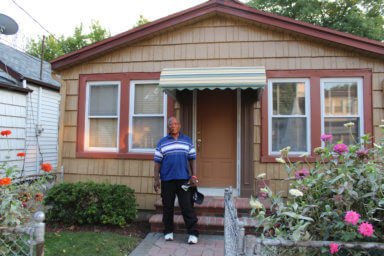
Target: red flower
<point>46,167</point>
<point>5,133</point>
<point>5,181</point>
<point>21,154</point>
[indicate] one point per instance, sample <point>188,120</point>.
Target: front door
<point>216,138</point>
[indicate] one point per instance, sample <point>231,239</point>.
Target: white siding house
<point>29,107</point>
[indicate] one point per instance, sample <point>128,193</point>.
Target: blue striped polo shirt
<point>173,155</point>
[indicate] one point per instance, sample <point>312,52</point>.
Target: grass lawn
<point>88,243</point>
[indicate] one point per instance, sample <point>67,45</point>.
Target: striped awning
<point>212,78</point>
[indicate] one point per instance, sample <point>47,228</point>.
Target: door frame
<point>220,191</point>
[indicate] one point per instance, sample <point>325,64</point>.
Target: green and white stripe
<point>213,78</point>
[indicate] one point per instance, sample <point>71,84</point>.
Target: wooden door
<point>216,138</point>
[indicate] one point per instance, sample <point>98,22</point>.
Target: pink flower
<point>263,194</point>
<point>334,248</point>
<point>352,217</point>
<point>340,148</point>
<point>301,174</point>
<point>366,229</point>
<point>326,137</point>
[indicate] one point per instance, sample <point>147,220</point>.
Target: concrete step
<point>207,224</point>
<point>214,206</point>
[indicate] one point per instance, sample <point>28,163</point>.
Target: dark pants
<point>169,190</point>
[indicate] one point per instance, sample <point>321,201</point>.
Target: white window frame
<point>132,114</point>
<point>307,112</point>
<point>87,133</point>
<point>360,98</point>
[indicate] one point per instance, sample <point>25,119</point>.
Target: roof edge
<point>231,7</point>
<point>13,73</point>
<point>15,88</point>
<point>41,83</point>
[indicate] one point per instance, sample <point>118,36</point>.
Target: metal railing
<point>236,243</point>
<point>233,228</point>
<point>27,241</point>
<point>267,246</point>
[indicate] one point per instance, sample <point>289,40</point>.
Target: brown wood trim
<point>314,76</point>
<point>125,79</point>
<point>247,139</point>
<point>170,107</point>
<point>106,155</point>
<point>185,99</point>
<point>15,88</point>
<point>227,7</point>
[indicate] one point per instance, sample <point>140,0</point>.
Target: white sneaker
<point>168,237</point>
<point>193,239</point>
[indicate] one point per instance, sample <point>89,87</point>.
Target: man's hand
<point>156,185</point>
<point>193,182</point>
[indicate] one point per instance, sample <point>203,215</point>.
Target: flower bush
<point>340,197</point>
<point>19,198</point>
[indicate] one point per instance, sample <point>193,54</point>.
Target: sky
<point>60,17</point>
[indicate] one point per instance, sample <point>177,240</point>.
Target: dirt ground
<point>138,229</point>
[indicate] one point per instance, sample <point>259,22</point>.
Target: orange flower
<point>5,133</point>
<point>21,154</point>
<point>39,197</point>
<point>5,181</point>
<point>46,167</point>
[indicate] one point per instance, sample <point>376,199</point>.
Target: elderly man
<point>172,156</point>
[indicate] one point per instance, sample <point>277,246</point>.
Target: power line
<point>34,20</point>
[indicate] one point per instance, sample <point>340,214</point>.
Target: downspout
<point>24,85</point>
<point>63,90</point>
<point>37,129</point>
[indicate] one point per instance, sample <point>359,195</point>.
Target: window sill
<point>115,155</point>
<point>293,159</point>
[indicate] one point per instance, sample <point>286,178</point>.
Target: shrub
<point>338,198</point>
<point>91,203</point>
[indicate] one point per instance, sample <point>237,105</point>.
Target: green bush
<point>91,203</point>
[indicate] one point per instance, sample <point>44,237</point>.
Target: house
<point>29,107</point>
<point>244,84</point>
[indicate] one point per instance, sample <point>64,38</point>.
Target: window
<point>289,120</point>
<point>298,106</point>
<point>147,115</point>
<point>102,116</point>
<point>120,115</point>
<point>342,102</point>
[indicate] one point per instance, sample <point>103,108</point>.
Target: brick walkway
<point>155,245</point>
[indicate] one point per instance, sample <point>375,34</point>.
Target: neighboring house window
<point>102,126</point>
<point>147,115</point>
<point>289,122</point>
<point>298,106</point>
<point>342,102</point>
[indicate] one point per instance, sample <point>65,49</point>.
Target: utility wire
<point>34,20</point>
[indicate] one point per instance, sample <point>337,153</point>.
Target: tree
<point>141,21</point>
<point>358,17</point>
<point>62,45</point>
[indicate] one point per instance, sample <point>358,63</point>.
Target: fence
<point>24,241</point>
<point>28,240</point>
<point>233,228</point>
<point>236,243</point>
